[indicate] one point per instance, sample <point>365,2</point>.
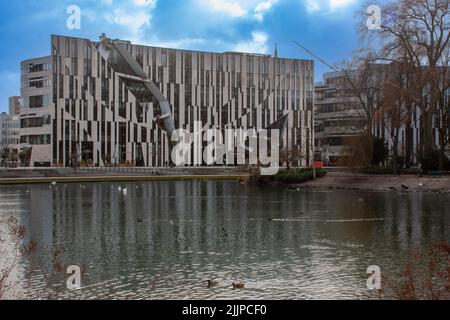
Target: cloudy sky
<point>326,27</point>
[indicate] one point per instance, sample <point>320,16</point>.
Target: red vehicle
<point>318,164</point>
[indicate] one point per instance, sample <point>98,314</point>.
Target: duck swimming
<point>238,285</point>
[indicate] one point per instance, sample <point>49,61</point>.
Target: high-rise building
<point>337,116</point>
<point>113,102</point>
<point>14,105</point>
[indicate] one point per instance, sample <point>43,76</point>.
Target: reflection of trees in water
<point>423,275</point>
<point>13,248</point>
<point>427,274</point>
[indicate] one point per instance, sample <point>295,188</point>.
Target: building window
<point>38,67</point>
<point>37,83</point>
<point>164,58</point>
<point>36,101</point>
<point>35,122</point>
<point>36,139</point>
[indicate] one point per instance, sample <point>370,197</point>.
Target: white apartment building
<point>9,131</point>
<point>36,109</point>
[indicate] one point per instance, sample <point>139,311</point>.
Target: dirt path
<point>388,183</point>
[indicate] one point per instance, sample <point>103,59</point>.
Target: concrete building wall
<point>104,113</point>
<point>14,105</point>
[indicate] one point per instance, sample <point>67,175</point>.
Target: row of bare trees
<point>402,77</point>
<point>6,154</point>
<point>10,155</point>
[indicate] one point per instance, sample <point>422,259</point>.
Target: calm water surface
<point>163,240</point>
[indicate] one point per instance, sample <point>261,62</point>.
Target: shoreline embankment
<point>332,181</point>
<point>376,182</point>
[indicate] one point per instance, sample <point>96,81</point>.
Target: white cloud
<point>334,4</point>
<point>132,18</point>
<point>133,21</point>
<point>258,44</point>
<point>326,6</point>
<point>144,3</point>
<point>184,43</point>
<point>229,7</point>
<point>239,8</point>
<point>263,7</point>
<point>312,5</point>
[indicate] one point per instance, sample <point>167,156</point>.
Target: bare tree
<point>401,92</point>
<point>4,152</point>
<point>358,151</point>
<point>363,81</point>
<point>362,85</point>
<point>420,31</point>
<point>290,156</point>
<point>443,105</point>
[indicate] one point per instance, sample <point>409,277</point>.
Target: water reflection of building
<point>179,232</point>
<point>112,102</point>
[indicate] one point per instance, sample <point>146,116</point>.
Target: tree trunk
<point>408,138</point>
<point>441,149</point>
<point>428,115</point>
<point>395,147</point>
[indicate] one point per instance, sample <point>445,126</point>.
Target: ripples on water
<point>163,240</point>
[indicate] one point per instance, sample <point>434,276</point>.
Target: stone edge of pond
<point>297,187</point>
<point>88,179</point>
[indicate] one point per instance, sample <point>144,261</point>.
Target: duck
<point>238,285</point>
<point>212,283</point>
<point>392,188</point>
<point>405,187</point>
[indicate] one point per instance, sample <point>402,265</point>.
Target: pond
<point>164,240</point>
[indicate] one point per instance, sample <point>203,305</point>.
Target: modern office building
<point>337,116</point>
<point>113,102</point>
